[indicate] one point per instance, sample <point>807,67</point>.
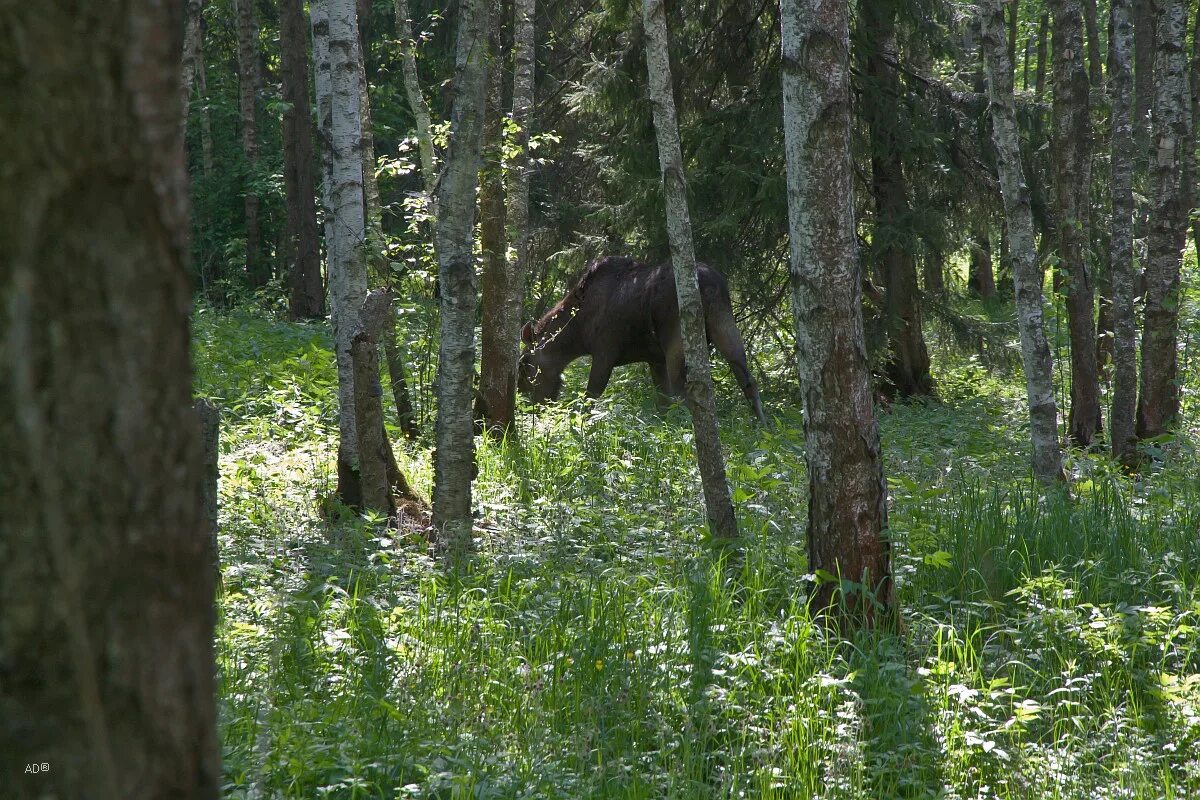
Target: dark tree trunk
<point>982,278</point>
<point>1095,59</point>
<point>106,655</point>
<point>908,366</point>
<point>250,84</point>
<point>1071,147</point>
<point>497,381</point>
<point>1170,204</point>
<point>847,511</point>
<point>934,269</point>
<point>302,248</point>
<point>1145,22</point>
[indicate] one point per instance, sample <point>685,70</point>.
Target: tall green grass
<point>598,646</point>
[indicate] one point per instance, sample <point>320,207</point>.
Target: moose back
<point>625,312</point>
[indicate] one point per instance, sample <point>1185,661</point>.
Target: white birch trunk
<point>1027,273</point>
<point>1120,86</point>
<point>418,104</point>
<point>454,458</point>
<point>847,513</point>
<point>319,12</point>
<point>699,388</point>
<point>347,268</point>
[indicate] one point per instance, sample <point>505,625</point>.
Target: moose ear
<point>527,333</point>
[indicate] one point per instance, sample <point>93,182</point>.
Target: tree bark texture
<point>497,382</point>
<point>1095,60</point>
<point>250,84</point>
<point>982,278</point>
<point>418,104</point>
<point>1027,273</point>
<point>1145,35</point>
<point>323,87</point>
<point>302,250</point>
<point>847,512</point>
<point>1120,88</point>
<point>698,387</point>
<point>106,657</point>
<point>209,418</point>
<point>454,457</point>
<point>193,32</point>
<point>908,365</point>
<point>1170,204</point>
<point>347,265</point>
<point>1071,145</point>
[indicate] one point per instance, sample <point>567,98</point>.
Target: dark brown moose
<point>625,312</point>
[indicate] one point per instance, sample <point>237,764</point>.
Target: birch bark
<point>847,513</point>
<point>698,388</point>
<point>1120,87</point>
<point>1170,204</point>
<point>1027,274</point>
<point>454,457</point>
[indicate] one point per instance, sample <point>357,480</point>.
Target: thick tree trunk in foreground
<point>418,104</point>
<point>847,511</point>
<point>302,250</point>
<point>1072,157</point>
<point>699,387</point>
<point>1170,204</point>
<point>454,458</point>
<point>1027,274</point>
<point>250,84</point>
<point>347,265</point>
<point>1120,86</point>
<point>497,381</point>
<point>106,658</point>
<point>908,365</point>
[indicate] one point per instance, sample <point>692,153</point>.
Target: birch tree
<point>698,387</point>
<point>1120,87</point>
<point>1027,273</point>
<point>250,84</point>
<point>418,104</point>
<point>454,458</point>
<point>106,636</point>
<point>302,247</point>
<point>347,266</point>
<point>1170,205</point>
<point>847,511</point>
<point>1071,146</point>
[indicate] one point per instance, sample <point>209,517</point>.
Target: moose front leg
<point>598,377</point>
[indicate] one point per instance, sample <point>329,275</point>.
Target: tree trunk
<point>106,644</point>
<point>1145,23</point>
<point>1014,11</point>
<point>934,268</point>
<point>1071,145</point>
<point>323,86</point>
<point>701,398</point>
<point>982,279</point>
<point>371,205</point>
<point>1170,204</point>
<point>250,84</point>
<point>1189,157</point>
<point>1027,274</point>
<point>847,510</point>
<point>418,104</point>
<point>302,250</point>
<point>206,142</point>
<point>1120,87</point>
<point>454,458</point>
<point>347,265</point>
<point>908,365</point>
<point>1095,60</point>
<point>209,417</point>
<point>497,379</point>
<point>192,34</point>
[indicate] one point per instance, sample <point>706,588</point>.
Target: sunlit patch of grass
<point>598,646</point>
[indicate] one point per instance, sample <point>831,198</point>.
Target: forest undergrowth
<point>598,645</point>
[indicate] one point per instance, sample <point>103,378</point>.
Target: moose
<point>624,312</point>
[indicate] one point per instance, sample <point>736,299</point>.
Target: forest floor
<point>597,646</point>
